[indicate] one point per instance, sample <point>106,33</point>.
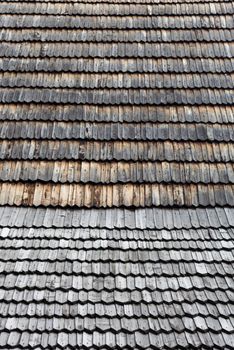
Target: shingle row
<point>68,35</point>
<point>131,113</point>
<point>106,9</point>
<point>116,81</point>
<point>89,309</point>
<point>32,264</point>
<point>117,195</point>
<point>118,22</point>
<point>116,324</point>
<point>118,96</point>
<point>116,267</point>
<point>203,338</point>
<point>127,50</point>
<point>119,283</point>
<point>116,131</point>
<point>156,218</point>
<point>69,237</point>
<point>100,249</point>
<point>112,65</point>
<point>155,298</point>
<point>117,150</point>
<point>115,172</point>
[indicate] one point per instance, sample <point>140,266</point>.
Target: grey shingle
<point>120,22</point>
<point>108,50</point>
<point>110,218</point>
<point>112,131</point>
<point>119,9</point>
<point>150,35</point>
<point>116,81</point>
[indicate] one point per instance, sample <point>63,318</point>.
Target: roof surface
<point>116,174</point>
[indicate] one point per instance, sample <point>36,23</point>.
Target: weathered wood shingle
<point>116,174</point>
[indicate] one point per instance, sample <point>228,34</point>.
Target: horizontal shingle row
<point>117,150</point>
<point>117,323</point>
<point>118,309</point>
<point>72,9</point>
<point>166,250</point>
<point>118,22</point>
<point>77,256</point>
<point>117,195</point>
<point>118,97</point>
<point>194,238</point>
<point>173,265</point>
<point>69,265</point>
<point>121,284</point>
<point>116,81</point>
<point>132,113</point>
<point>64,282</point>
<point>116,131</point>
<point>166,35</point>
<point>127,50</point>
<point>138,340</point>
<point>114,172</point>
<point>152,218</point>
<point>130,65</point>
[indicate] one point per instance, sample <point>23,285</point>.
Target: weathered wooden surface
<point>58,278</point>
<point>116,80</point>
<point>116,35</point>
<point>126,113</point>
<point>120,96</point>
<point>117,195</point>
<point>146,218</point>
<point>183,151</point>
<point>114,131</point>
<point>120,22</point>
<point>116,174</point>
<point>120,64</point>
<point>106,9</point>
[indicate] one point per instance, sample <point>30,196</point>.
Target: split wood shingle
<point>116,174</point>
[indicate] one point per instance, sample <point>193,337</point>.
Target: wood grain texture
<point>117,131</point>
<point>128,50</point>
<point>116,174</point>
<point>132,114</point>
<point>118,10</point>
<point>129,195</point>
<point>116,81</point>
<point>114,35</point>
<point>120,64</point>
<point>163,219</point>
<point>179,151</point>
<point>118,22</point>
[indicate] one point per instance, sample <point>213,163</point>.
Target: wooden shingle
<point>116,174</point>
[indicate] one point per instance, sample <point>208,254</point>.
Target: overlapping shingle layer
<point>116,174</point>
<point>130,279</point>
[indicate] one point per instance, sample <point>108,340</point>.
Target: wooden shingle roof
<point>116,174</point>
